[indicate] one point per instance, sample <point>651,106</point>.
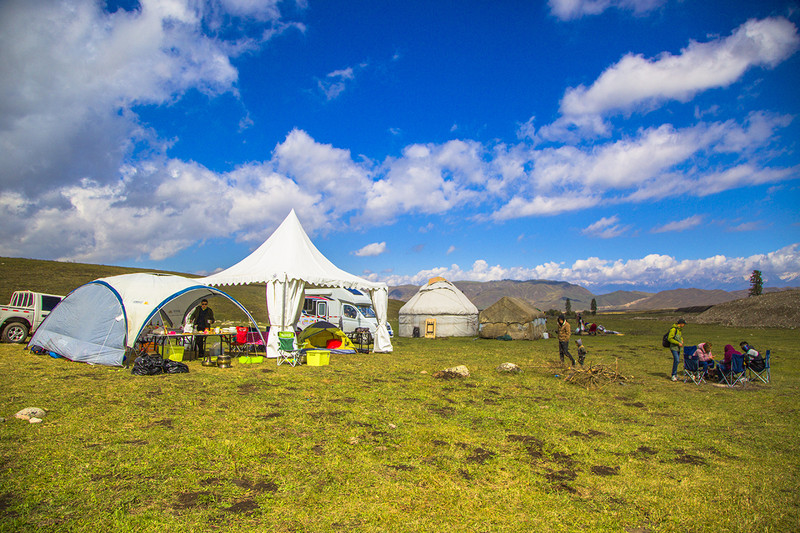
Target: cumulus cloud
<point>653,270</point>
<point>637,81</point>
<point>72,73</point>
<point>428,179</point>
<point>656,163</point>
<point>90,220</point>
<point>376,248</point>
<point>573,9</point>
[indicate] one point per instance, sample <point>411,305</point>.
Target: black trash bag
<point>175,367</point>
<point>148,365</point>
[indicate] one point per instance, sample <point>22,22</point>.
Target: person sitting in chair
<point>705,358</point>
<point>725,366</point>
<point>752,358</point>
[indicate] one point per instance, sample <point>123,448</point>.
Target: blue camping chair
<point>691,366</point>
<point>763,374</point>
<point>736,373</point>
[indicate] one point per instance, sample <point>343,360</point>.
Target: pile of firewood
<point>595,376</point>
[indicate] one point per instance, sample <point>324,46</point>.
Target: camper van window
<point>350,312</point>
<point>367,311</point>
<point>322,309</point>
<point>308,306</point>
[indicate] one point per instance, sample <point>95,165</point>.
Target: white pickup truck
<point>24,313</point>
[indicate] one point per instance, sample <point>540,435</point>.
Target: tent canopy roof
<point>288,254</point>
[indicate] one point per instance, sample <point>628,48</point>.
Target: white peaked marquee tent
<point>288,262</point>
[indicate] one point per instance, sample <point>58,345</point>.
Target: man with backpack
<point>675,340</point>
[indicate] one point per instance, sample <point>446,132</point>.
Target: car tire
<point>15,332</point>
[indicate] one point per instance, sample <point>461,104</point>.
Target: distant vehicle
<point>24,314</point>
<point>346,308</point>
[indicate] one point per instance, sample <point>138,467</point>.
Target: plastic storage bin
<point>318,357</point>
<point>173,352</point>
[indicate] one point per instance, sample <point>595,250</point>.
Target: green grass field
<point>375,443</point>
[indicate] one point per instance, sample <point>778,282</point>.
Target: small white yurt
<point>441,301</point>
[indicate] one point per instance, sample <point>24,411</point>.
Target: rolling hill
<point>547,295</point>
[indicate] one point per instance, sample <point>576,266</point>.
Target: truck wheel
<point>15,332</point>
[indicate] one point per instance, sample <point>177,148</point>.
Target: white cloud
<point>606,228</point>
<point>334,83</point>
<point>573,9</point>
<point>324,171</point>
<point>428,179</point>
<point>376,248</point>
<point>636,81</point>
<point>657,163</point>
<point>650,271</point>
<point>680,225</point>
<point>71,74</point>
<point>337,81</point>
<point>451,249</point>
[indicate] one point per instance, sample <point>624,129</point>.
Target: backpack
<point>665,340</point>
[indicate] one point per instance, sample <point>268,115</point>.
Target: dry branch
<point>595,376</point>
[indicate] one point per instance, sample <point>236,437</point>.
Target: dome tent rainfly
<point>288,262</point>
<point>514,317</point>
<point>96,322</point>
<point>455,315</point>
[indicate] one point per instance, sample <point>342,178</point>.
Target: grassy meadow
<point>373,442</point>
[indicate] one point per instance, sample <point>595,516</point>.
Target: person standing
<point>564,333</point>
<point>202,317</point>
<point>581,351</point>
<point>675,338</point>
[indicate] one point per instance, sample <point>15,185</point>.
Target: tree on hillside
<point>568,306</point>
<point>594,307</point>
<point>756,283</point>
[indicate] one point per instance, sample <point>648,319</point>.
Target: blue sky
<point>616,144</point>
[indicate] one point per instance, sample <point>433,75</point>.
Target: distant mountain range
<point>547,295</point>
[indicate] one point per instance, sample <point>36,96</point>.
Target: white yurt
<point>440,300</point>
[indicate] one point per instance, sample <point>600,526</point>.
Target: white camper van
<point>346,308</point>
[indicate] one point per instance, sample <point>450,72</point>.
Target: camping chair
<point>763,374</point>
<point>735,374</point>
<point>239,344</point>
<point>287,351</point>
<point>691,366</point>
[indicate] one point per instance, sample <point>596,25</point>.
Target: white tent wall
<point>284,303</point>
<point>446,325</point>
<point>380,302</point>
<point>288,261</point>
